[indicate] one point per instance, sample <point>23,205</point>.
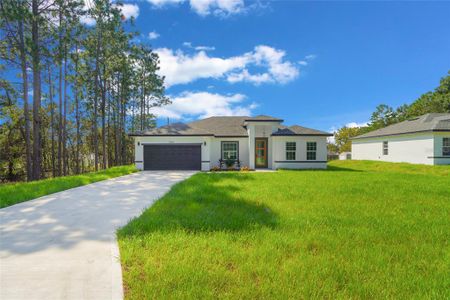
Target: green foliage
<point>19,192</point>
<point>437,101</point>
<point>97,84</point>
<point>359,230</point>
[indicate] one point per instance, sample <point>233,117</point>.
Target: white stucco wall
<point>344,155</point>
<point>279,152</point>
<point>415,148</point>
<point>216,150</point>
<point>139,150</point>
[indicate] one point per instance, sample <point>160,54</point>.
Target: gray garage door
<point>172,157</point>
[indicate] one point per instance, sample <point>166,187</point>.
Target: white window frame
<point>385,148</point>
<point>446,146</point>
<point>311,150</point>
<point>226,152</point>
<point>291,149</point>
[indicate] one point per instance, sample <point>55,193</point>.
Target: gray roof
<point>224,127</point>
<point>298,130</point>
<point>263,118</point>
<point>427,122</point>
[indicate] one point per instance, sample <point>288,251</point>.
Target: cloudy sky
<point>317,64</point>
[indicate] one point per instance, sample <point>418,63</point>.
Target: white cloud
<point>181,68</point>
<point>153,35</point>
<point>198,48</point>
<point>310,57</point>
<point>128,10</point>
<point>303,63</point>
<point>217,7</point>
<point>161,3</point>
<point>203,104</point>
<point>355,124</point>
<point>206,7</point>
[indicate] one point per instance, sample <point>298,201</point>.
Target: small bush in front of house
<point>215,169</point>
<point>245,169</point>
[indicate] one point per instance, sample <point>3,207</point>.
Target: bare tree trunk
<point>25,102</point>
<point>103,106</point>
<point>60,94</point>
<point>96,99</point>
<point>52,120</point>
<point>77,117</point>
<point>64,149</point>
<point>36,91</point>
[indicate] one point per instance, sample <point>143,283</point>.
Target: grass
<point>11,194</point>
<point>357,230</point>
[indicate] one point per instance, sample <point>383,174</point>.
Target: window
<point>230,150</point>
<point>385,148</point>
<point>446,146</point>
<point>311,149</point>
<point>290,150</point>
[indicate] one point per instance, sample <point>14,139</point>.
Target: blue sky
<point>316,64</point>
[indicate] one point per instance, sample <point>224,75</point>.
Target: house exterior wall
<point>216,150</point>
<point>279,152</point>
<point>416,148</point>
<point>142,140</point>
<point>438,158</point>
<point>345,156</point>
<point>211,148</point>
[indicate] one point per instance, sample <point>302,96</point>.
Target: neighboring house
<point>256,142</point>
<point>422,140</point>
<point>345,156</point>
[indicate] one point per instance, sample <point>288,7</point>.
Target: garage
<point>172,157</point>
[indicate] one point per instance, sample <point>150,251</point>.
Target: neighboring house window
<point>230,150</point>
<point>446,147</point>
<point>311,149</point>
<point>290,150</point>
<point>385,148</point>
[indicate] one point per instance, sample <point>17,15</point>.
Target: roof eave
<point>304,134</point>
<point>401,133</point>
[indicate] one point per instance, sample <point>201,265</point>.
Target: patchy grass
<point>357,230</point>
<point>19,192</point>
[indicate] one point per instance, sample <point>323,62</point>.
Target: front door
<point>261,152</point>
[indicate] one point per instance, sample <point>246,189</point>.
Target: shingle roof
<point>427,122</point>
<point>224,127</point>
<point>263,118</point>
<point>299,130</point>
<point>175,129</point>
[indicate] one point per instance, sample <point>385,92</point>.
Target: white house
<point>345,156</point>
<point>422,140</point>
<point>256,142</point>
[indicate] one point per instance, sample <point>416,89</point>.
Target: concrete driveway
<point>63,246</point>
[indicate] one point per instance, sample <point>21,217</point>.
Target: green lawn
<point>19,192</point>
<point>357,230</point>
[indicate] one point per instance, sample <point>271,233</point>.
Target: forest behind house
<point>74,80</point>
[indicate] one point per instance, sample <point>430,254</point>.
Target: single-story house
<point>345,155</point>
<point>254,142</point>
<point>422,140</point>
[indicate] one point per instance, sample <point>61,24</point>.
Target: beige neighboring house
<point>255,142</point>
<point>422,140</point>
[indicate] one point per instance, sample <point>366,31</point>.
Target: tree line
<point>437,101</point>
<point>69,93</point>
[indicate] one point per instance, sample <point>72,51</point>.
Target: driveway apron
<point>63,246</point>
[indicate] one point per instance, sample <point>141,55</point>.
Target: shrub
<point>215,169</point>
<point>245,169</point>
